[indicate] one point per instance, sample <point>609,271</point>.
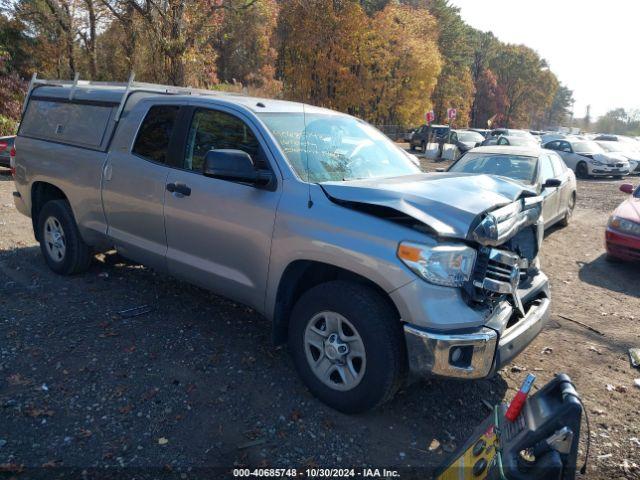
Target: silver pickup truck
<point>366,266</point>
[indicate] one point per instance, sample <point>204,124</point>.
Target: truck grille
<point>497,271</point>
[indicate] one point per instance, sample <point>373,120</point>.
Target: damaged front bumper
<point>482,351</point>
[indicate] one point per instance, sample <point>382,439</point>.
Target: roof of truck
<point>113,94</point>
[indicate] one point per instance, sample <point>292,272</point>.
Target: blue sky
<point>592,46</point>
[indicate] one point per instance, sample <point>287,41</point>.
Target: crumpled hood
<point>609,158</point>
<point>448,203</point>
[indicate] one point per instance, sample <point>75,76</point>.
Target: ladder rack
<point>129,87</point>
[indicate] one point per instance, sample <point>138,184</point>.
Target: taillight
<point>12,162</point>
<point>3,146</point>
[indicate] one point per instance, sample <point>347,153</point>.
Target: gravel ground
<point>195,382</point>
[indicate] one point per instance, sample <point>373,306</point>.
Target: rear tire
<point>60,242</point>
<point>336,314</point>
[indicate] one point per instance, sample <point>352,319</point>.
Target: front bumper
<point>606,170</point>
<point>622,246</point>
<point>481,352</point>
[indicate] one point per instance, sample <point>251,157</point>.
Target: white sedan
<point>619,148</point>
<point>587,158</point>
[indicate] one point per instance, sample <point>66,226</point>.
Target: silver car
<point>367,267</point>
<point>543,169</point>
<point>586,158</point>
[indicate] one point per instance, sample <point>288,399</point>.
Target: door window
<point>211,129</point>
<point>552,145</point>
<point>155,133</point>
<point>558,165</point>
<point>565,147</point>
<point>546,169</point>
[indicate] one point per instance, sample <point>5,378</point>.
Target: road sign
<point>452,113</point>
<point>431,116</point>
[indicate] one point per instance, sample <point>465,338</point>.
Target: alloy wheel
<point>335,351</point>
<point>54,239</point>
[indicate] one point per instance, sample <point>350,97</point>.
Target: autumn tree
<point>400,65</point>
<point>455,88</point>
<point>319,51</point>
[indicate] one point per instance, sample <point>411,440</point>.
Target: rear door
<point>219,231</point>
<point>134,182</point>
<point>566,188</point>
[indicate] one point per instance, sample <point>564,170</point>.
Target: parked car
<point>586,158</point>
<point>618,148</point>
<point>482,131</point>
<point>465,140</point>
<point>548,137</point>
<point>629,141</point>
<point>542,169</point>
<point>429,133</point>
<point>497,133</point>
<point>6,144</point>
<point>516,141</point>
<point>365,266</point>
<point>622,237</point>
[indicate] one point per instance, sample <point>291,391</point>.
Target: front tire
<point>582,171</point>
<point>348,346</point>
<point>60,242</point>
<point>569,213</point>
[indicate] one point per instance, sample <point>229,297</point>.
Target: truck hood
<point>450,204</point>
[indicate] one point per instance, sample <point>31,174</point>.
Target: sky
<point>592,46</point>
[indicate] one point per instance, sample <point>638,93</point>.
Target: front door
<point>218,231</point>
<point>550,194</point>
<point>133,185</point>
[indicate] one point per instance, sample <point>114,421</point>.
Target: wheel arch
<point>300,276</point>
<point>41,193</point>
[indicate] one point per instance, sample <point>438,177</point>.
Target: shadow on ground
<point>621,277</point>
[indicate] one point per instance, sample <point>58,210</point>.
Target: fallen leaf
<point>18,379</point>
<point>547,350</point>
<point>296,415</point>
<point>12,467</point>
<point>162,441</point>
<point>37,412</point>
<point>434,445</point>
<point>125,409</point>
<point>52,464</point>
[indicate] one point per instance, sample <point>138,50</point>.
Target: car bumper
<point>18,201</point>
<point>620,245</point>
<point>608,171</point>
<point>479,353</point>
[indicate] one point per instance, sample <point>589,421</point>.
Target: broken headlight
<point>449,265</point>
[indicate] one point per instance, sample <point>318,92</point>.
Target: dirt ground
<point>196,382</point>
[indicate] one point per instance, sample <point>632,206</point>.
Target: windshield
<point>336,147</point>
<point>610,146</point>
<point>587,147</point>
<point>516,167</point>
<point>470,137</point>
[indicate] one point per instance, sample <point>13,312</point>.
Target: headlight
<point>624,225</point>
<point>449,265</point>
<point>597,163</point>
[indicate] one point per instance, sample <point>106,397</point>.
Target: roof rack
<point>130,86</point>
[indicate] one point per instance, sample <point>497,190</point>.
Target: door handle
<point>179,188</point>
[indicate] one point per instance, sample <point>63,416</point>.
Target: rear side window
<point>155,133</point>
<point>558,164</point>
<point>79,124</point>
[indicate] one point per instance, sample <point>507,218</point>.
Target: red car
<point>623,231</point>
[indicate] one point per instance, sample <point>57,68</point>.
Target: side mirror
<point>234,165</point>
<point>626,188</point>
<point>551,182</point>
